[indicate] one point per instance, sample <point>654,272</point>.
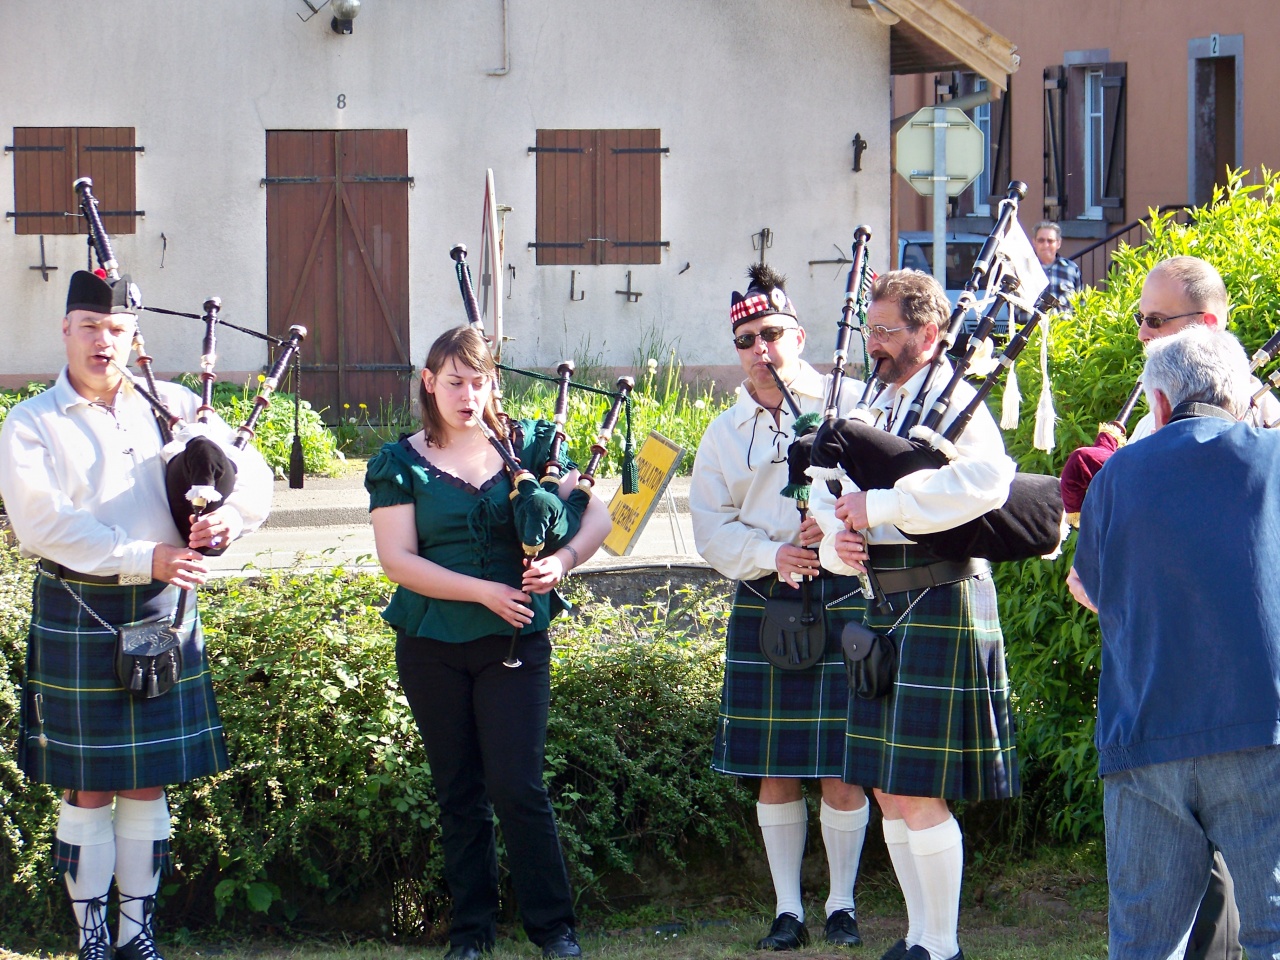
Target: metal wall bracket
<point>631,295</point>
<point>762,241</point>
<point>858,146</point>
<point>43,266</point>
<point>573,286</point>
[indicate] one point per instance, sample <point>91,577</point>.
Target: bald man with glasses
<point>779,724</point>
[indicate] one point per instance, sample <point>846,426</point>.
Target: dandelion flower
<point>652,364</point>
<point>262,378</point>
<point>699,404</point>
<point>351,419</point>
<point>346,406</point>
<point>364,406</point>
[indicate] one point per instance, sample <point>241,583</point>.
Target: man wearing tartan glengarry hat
<point>83,481</point>
<point>776,724</point>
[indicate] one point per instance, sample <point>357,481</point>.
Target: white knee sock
<point>939,856</point>
<point>138,825</point>
<point>904,865</point>
<point>842,834</point>
<point>89,829</point>
<point>783,826</point>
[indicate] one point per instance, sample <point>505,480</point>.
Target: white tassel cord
<point>1045,414</point>
<point>1011,403</point>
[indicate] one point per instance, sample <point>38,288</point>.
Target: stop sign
<point>966,151</point>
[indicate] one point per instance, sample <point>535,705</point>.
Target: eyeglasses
<point>1155,323</point>
<point>879,330</point>
<point>745,341</point>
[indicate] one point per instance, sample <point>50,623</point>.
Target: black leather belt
<point>930,575</point>
<point>75,576</point>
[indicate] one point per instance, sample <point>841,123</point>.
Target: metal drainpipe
<point>503,70</point>
<point>967,102</point>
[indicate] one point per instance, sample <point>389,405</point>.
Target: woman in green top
<point>442,520</point>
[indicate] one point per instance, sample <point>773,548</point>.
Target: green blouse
<point>469,530</point>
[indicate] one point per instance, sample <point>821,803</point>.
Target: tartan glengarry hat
<point>88,291</point>
<point>765,296</point>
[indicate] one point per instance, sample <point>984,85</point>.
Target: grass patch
<point>1049,907</point>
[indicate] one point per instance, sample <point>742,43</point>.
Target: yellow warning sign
<point>657,461</point>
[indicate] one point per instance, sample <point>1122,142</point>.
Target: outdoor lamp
<point>344,11</point>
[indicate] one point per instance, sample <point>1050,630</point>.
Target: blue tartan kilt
<point>79,728</point>
<point>779,723</point>
<point>946,730</point>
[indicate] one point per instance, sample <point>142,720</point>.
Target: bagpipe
<point>200,470</point>
<point>543,521</point>
<point>1083,463</point>
<point>1029,524</point>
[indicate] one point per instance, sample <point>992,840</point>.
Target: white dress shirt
<point>926,501</point>
<point>84,485</point>
<point>740,517</point>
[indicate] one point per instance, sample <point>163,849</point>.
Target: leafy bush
<point>1095,358</point>
<point>661,401</point>
<point>273,433</point>
<point>329,799</point>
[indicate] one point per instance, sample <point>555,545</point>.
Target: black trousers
<point>485,729</point>
<point>1216,932</point>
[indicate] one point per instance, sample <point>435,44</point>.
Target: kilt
<point>946,730</point>
<point>79,728</point>
<point>779,723</point>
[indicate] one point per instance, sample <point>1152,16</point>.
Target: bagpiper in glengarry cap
<point>88,291</point>
<point>765,296</point>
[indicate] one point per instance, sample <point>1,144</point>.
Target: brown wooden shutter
<point>599,196</point>
<point>1055,136</point>
<point>43,165</point>
<point>47,160</point>
<point>1113,142</point>
<point>1001,135</point>
<point>566,197</point>
<point>107,156</point>
<point>629,200</point>
<point>963,84</point>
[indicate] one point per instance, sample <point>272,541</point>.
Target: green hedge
<point>1095,358</point>
<point>329,800</point>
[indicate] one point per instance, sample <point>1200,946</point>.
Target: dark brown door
<point>338,264</point>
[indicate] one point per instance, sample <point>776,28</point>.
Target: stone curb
<point>340,502</point>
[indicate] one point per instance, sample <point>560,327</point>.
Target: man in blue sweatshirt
<point>1178,553</point>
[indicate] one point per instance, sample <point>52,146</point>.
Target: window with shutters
<point>599,196</point>
<point>1084,142</point>
<point>993,119</point>
<point>47,160</point>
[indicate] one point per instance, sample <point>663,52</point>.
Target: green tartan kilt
<point>779,723</point>
<point>946,730</point>
<point>79,728</point>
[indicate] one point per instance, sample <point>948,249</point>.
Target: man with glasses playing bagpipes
<point>1178,293</point>
<point>84,484</point>
<point>783,713</point>
<point>940,729</point>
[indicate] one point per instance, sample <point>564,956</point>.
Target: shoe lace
<point>95,938</point>
<point>144,943</point>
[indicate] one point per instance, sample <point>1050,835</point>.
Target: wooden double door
<point>338,264</point>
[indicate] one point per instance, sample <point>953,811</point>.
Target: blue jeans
<point>1163,821</point>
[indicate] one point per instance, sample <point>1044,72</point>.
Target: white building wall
<point>756,99</point>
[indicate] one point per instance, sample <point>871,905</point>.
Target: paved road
<point>326,523</point>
